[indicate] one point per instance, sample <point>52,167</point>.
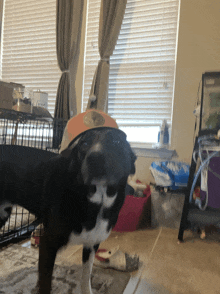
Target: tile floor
<point>192,267</point>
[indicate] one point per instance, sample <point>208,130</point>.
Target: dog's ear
<point>133,159</point>
<point>71,153</point>
<point>67,152</point>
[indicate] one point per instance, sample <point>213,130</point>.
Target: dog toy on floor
<point>116,259</point>
<point>35,235</point>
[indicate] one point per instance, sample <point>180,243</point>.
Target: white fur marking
<point>86,274</point>
<point>100,196</point>
<point>99,233</point>
<point>109,201</point>
<point>4,214</point>
<point>95,236</point>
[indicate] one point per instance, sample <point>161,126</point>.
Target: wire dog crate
<point>26,129</point>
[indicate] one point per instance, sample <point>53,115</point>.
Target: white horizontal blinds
<point>29,46</point>
<point>143,63</point>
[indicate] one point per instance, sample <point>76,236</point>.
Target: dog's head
<point>102,154</point>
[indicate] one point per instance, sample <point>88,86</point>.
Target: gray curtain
<point>111,16</point>
<point>68,34</point>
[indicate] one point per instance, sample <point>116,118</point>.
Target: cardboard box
<point>6,99</point>
<point>6,94</point>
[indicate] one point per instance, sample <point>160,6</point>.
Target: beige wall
<point>198,51</point>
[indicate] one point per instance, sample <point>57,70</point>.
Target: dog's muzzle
<point>94,167</point>
<point>98,165</point>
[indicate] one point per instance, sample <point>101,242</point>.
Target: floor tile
<point>191,267</point>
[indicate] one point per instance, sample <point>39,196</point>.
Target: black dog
<point>77,195</point>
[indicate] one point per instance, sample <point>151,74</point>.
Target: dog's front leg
<point>88,259</point>
<point>49,246</point>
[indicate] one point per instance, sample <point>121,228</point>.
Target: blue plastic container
<point>170,174</point>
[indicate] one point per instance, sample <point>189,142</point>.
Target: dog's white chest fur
<point>95,236</point>
<point>99,233</point>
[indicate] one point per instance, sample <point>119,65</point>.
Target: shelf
<point>210,216</point>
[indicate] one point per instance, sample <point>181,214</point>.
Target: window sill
<point>154,152</point>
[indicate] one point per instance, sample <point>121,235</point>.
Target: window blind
<point>29,46</point>
<point>142,67</point>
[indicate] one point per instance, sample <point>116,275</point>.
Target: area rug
<point>18,275</point>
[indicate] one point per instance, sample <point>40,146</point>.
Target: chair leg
<point>183,222</point>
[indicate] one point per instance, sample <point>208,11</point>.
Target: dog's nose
<point>96,164</point>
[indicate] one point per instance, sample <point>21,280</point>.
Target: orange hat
<point>82,122</point>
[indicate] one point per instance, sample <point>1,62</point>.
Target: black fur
<point>96,247</point>
<point>86,253</point>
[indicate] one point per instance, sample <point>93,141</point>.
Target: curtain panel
<point>68,33</point>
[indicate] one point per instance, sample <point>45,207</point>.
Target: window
<point>142,67</point>
<point>29,46</point>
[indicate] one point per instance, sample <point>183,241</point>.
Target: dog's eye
<point>111,190</point>
<point>116,142</point>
